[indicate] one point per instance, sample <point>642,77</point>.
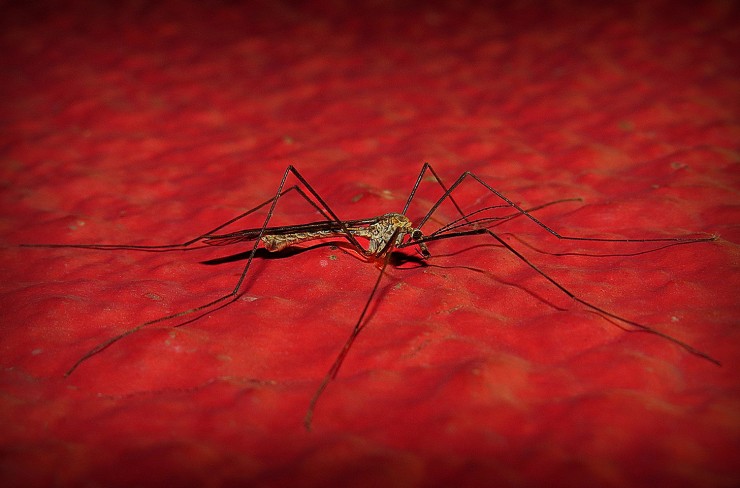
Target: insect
<point>385,235</point>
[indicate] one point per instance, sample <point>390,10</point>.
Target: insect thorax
<point>382,231</point>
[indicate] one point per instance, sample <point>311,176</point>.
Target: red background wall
<point>126,122</point>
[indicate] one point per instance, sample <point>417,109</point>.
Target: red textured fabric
<point>149,124</point>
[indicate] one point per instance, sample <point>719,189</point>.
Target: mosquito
<point>385,235</point>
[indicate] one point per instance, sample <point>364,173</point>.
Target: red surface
<point>146,124</point>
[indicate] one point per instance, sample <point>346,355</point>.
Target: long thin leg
<point>449,230</point>
<point>184,246</point>
<point>603,312</point>
<point>451,189</point>
<point>448,194</point>
<point>359,325</point>
<point>600,310</point>
<point>470,220</point>
<point>234,294</point>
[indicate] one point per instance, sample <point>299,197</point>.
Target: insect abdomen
<point>275,243</point>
